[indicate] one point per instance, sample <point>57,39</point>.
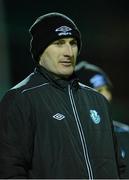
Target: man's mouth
<point>66,63</point>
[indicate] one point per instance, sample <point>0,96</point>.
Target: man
<point>95,77</point>
<point>50,125</point>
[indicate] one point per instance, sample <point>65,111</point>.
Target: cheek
<point>53,55</point>
<point>75,53</point>
<point>75,57</point>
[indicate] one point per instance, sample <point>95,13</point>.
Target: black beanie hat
<point>92,75</point>
<point>49,28</point>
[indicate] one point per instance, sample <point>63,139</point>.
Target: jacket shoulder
<point>31,81</point>
<point>90,89</point>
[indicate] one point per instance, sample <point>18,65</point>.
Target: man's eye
<point>56,43</point>
<point>74,43</point>
<point>59,42</point>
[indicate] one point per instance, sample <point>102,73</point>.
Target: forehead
<point>68,39</point>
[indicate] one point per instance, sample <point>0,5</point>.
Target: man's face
<point>104,90</point>
<point>60,57</point>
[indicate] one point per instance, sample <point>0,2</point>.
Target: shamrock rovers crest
<point>95,116</point>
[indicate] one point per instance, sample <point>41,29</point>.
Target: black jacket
<point>53,128</point>
<point>122,134</point>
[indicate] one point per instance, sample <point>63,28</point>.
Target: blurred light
<point>4,59</point>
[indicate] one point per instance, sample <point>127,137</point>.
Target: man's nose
<point>68,50</point>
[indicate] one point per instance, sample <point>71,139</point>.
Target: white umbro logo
<point>59,116</point>
<point>63,30</point>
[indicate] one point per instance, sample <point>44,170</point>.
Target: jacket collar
<point>60,82</point>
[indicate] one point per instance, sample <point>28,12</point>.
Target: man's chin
<point>66,74</point>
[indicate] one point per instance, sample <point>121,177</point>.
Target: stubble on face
<point>60,57</point>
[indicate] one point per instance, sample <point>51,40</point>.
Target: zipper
<point>81,134</point>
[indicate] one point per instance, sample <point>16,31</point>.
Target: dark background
<point>105,32</point>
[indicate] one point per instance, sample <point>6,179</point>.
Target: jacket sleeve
<point>121,165</point>
<point>120,161</point>
<point>16,136</point>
